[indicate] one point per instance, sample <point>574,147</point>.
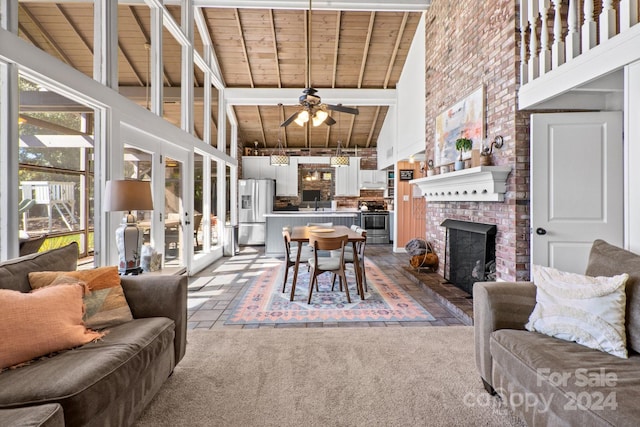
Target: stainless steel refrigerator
<point>255,199</point>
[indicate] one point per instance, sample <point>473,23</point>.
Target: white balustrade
<point>540,55</point>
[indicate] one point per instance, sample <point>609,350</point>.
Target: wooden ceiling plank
<point>47,36</point>
<point>373,127</point>
<point>281,129</point>
<point>129,62</point>
<point>261,125</point>
<point>244,47</point>
<point>392,61</point>
<point>75,29</point>
<point>365,53</point>
<point>335,50</point>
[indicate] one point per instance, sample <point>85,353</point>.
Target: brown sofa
<point>108,382</point>
<point>548,381</point>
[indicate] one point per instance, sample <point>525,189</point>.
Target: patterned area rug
<point>264,301</point>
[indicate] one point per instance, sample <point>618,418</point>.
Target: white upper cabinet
<point>287,178</point>
<point>348,179</point>
<point>258,167</point>
<point>373,179</point>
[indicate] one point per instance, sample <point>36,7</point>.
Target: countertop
<point>311,213</point>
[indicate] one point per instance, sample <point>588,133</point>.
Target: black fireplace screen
<point>471,253</point>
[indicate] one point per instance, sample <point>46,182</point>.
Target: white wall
<point>632,147</point>
<point>404,126</point>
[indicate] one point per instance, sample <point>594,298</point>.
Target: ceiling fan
<point>312,106</point>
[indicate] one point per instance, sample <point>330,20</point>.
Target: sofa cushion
<point>557,374</point>
<point>34,416</point>
<point>41,322</point>
<point>587,310</point>
<point>85,380</point>
<point>105,303</point>
<point>14,272</point>
<point>609,260</point>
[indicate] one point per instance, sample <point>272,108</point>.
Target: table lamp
<point>128,195</point>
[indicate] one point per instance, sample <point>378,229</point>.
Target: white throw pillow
<point>587,310</point>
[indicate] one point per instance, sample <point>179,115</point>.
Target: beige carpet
<point>393,376</point>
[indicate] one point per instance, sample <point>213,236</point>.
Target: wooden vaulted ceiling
<point>255,48</point>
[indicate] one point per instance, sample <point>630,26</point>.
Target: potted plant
<point>462,145</point>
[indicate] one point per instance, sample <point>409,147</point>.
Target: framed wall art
<point>465,119</point>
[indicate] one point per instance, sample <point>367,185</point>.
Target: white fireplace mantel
<point>479,184</point>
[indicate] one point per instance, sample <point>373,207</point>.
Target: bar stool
<point>321,265</point>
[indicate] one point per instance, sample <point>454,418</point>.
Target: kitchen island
<point>274,245</point>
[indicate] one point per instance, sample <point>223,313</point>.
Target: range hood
<point>372,186</point>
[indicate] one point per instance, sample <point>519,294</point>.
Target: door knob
<point>541,231</point>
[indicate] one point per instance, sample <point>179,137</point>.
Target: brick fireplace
<point>470,253</point>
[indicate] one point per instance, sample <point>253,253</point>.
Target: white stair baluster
<point>588,27</point>
<point>573,37</point>
<point>545,52</point>
<point>557,49</point>
<point>628,14</point>
<point>534,65</point>
<point>607,21</point>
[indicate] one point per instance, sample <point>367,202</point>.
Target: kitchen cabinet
<point>258,167</point>
<point>348,179</point>
<point>287,178</point>
<point>373,179</point>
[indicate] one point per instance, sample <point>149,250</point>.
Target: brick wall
<point>470,44</point>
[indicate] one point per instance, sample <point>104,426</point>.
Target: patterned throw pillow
<point>587,310</point>
<point>41,322</point>
<point>105,303</point>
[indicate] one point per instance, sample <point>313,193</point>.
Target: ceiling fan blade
<point>341,108</point>
<point>290,119</point>
<point>329,121</point>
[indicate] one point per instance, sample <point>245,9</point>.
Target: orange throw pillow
<point>41,322</point>
<point>105,303</point>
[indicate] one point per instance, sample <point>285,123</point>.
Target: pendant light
<point>339,160</point>
<point>279,157</point>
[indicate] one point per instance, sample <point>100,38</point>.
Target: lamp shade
<point>279,160</point>
<point>128,195</point>
<point>339,161</point>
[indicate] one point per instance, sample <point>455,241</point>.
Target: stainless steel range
<point>375,219</point>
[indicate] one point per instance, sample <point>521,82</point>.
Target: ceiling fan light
<point>319,117</point>
<point>303,117</point>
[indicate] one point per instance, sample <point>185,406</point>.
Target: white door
<point>576,186</point>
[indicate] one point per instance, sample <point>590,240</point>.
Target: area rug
<point>264,301</point>
<point>393,376</point>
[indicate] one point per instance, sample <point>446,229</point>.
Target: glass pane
<point>173,238</point>
<point>138,165</point>
<point>56,166</point>
<point>198,201</point>
<point>214,204</point>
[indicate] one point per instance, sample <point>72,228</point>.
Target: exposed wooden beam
<point>244,46</point>
<point>373,127</point>
<point>367,44</point>
<point>264,137</point>
<point>335,50</point>
<point>75,29</point>
<point>392,61</point>
<point>29,36</point>
<point>129,62</point>
<point>350,133</point>
<point>47,36</point>
<point>276,59</point>
<point>283,130</point>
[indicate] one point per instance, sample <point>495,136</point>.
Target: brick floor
<point>214,292</point>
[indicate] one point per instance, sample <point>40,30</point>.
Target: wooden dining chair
<point>321,265</point>
<point>290,254</point>
<point>348,257</point>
